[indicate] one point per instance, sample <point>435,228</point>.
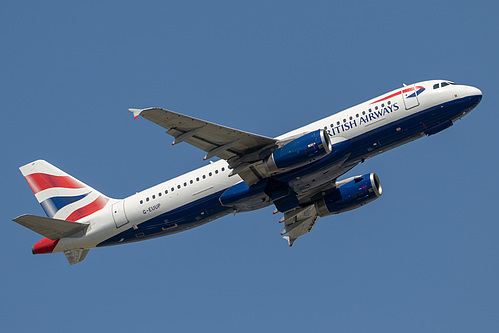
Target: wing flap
<point>51,228</point>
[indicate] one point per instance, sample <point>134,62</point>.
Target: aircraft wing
<point>298,222</point>
<point>239,148</point>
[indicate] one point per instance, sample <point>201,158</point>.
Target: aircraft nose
<point>474,95</point>
<point>472,91</point>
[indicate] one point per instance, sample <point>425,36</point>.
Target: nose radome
<point>472,91</point>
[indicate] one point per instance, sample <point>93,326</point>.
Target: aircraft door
<point>119,215</point>
<point>410,96</point>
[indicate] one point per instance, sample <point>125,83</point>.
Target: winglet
<point>136,112</point>
<point>290,242</point>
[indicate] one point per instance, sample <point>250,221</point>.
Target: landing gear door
<point>119,216</point>
<point>410,96</point>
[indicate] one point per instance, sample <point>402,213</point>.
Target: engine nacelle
<point>298,152</point>
<point>350,195</point>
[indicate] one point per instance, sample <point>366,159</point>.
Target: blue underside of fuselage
<point>361,147</point>
<point>189,216</point>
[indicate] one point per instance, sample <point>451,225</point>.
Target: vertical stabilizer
<point>61,195</point>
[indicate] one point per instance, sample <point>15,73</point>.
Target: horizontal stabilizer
<point>51,228</point>
<point>75,256</point>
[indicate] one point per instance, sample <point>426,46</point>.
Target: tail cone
<point>44,246</point>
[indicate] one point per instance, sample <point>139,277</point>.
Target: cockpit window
<point>442,84</point>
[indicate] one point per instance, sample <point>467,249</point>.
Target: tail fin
<point>60,195</point>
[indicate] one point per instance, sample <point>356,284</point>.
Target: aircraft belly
<point>179,219</point>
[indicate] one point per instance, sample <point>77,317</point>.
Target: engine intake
<point>350,195</point>
<point>298,152</point>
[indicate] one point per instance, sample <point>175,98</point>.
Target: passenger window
<point>197,179</point>
<point>344,120</point>
<point>166,191</point>
<point>216,171</point>
<point>223,169</point>
<point>357,115</point>
<point>444,84</point>
<point>370,110</point>
<point>210,174</point>
<point>389,103</point>
<point>147,199</point>
<point>153,197</point>
<point>191,181</point>
<point>351,118</point>
<point>159,194</point>
<point>178,186</point>
<point>204,176</point>
<point>141,202</point>
<point>338,123</point>
<point>382,105</point>
<point>172,189</point>
<point>376,107</point>
<point>363,112</point>
<point>185,184</point>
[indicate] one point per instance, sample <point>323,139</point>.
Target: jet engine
<point>350,195</point>
<point>298,152</point>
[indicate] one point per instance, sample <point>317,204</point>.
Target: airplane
<point>296,172</point>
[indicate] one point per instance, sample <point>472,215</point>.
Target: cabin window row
<point>179,186</point>
<point>338,123</point>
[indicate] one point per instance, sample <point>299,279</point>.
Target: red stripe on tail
<point>91,208</point>
<point>41,181</point>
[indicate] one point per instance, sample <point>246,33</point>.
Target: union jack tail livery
<point>66,201</point>
<point>61,196</point>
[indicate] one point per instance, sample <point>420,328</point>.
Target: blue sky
<point>423,257</point>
